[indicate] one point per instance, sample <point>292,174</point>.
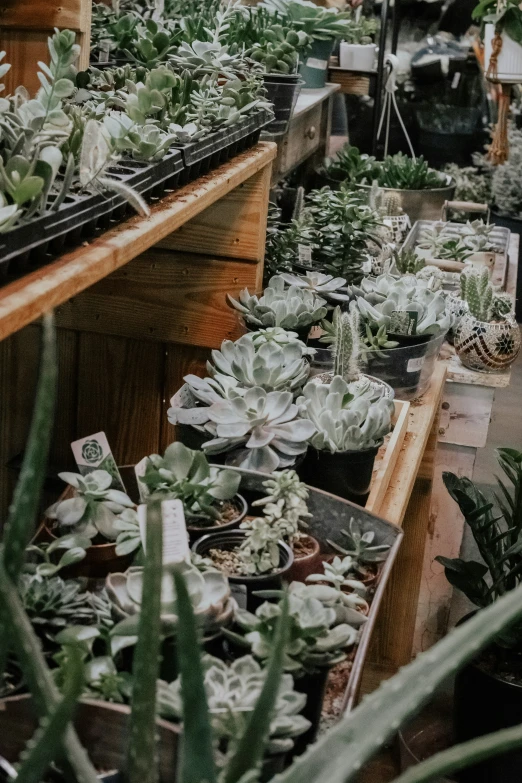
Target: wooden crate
<point>387,457</point>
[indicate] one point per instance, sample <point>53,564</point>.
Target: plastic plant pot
<point>346,474</point>
<point>282,91</point>
<point>244,587</point>
<point>313,685</point>
<point>357,57</point>
<point>314,69</point>
<point>197,531</point>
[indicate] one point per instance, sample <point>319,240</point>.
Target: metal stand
<point>379,82</point>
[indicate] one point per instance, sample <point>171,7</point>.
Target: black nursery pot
<point>196,532</point>
<point>347,474</point>
<point>244,587</point>
<point>314,687</point>
<point>282,90</point>
<point>401,369</point>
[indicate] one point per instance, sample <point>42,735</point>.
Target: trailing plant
<point>506,189</point>
<point>289,308</point>
<point>483,302</point>
<point>232,691</point>
<point>261,430</point>
<point>343,334</point>
<point>93,510</point>
<point>345,416</point>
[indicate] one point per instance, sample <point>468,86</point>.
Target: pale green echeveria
<point>281,337</point>
<point>376,289</point>
<point>289,308</point>
<point>209,593</point>
<point>94,508</point>
<point>321,284</point>
<point>261,429</point>
<point>268,365</point>
<point>184,407</point>
<point>337,573</point>
<point>344,416</point>
<point>232,691</point>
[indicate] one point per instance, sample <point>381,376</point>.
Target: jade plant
<point>232,691</point>
<point>261,431</point>
<point>484,303</point>
<point>345,416</point>
<point>94,507</point>
<point>289,308</point>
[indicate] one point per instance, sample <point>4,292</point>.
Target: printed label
<point>313,62</point>
<point>104,49</point>
<point>414,365</point>
<point>94,453</point>
<point>139,470</point>
<point>175,536</point>
<point>304,254</point>
<point>239,593</point>
<point>403,322</point>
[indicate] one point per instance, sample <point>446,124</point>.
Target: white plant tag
<point>313,62</point>
<point>94,453</point>
<point>456,80</point>
<point>304,254</point>
<point>139,470</point>
<point>316,332</point>
<point>239,593</point>
<point>175,536</point>
<point>414,365</point>
<point>103,54</point>
<point>183,398</point>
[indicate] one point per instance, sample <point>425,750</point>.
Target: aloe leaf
<point>340,754</point>
<point>252,744</point>
<point>141,762</point>
<point>197,760</point>
<point>46,744</point>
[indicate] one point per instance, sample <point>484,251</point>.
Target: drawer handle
<point>310,132</point>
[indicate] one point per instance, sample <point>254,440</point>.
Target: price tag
<point>139,470</point>
<point>103,54</point>
<point>239,593</point>
<point>415,365</point>
<point>94,453</point>
<point>304,254</point>
<point>320,65</point>
<point>175,536</point>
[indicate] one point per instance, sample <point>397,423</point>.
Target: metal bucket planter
<point>314,69</point>
<point>487,347</point>
<point>421,204</point>
<point>331,515</point>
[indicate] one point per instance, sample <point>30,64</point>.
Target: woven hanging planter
<point>503,64</point>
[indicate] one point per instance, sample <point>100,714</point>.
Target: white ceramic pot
<point>357,57</point>
<point>509,63</point>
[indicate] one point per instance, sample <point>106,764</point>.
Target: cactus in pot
<point>487,338</point>
<point>343,334</point>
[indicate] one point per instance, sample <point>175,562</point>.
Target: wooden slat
<point>180,360</point>
<point>35,15</point>
<point>164,296</point>
<point>120,389</point>
<point>233,227</point>
<point>25,300</point>
<point>386,465</point>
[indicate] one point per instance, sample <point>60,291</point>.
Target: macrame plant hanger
<point>499,148</point>
<point>391,62</point>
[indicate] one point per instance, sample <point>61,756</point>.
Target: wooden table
<point>308,134</point>
<point>137,309</point>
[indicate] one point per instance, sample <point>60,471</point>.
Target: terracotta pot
<point>306,564</point>
<point>102,729</point>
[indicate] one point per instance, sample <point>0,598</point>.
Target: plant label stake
<point>139,470</point>
<point>175,536</point>
<point>304,253</point>
<point>94,453</point>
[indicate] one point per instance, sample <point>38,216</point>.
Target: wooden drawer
<point>304,136</point>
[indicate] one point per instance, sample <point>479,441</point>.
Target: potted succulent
<point>322,626</point>
<point>293,308</point>
<point>488,695</point>
<point>209,495</point>
<point>350,425</point>
<point>357,49</point>
<point>458,306</point>
<point>90,507</point>
<point>487,338</point>
<point>403,322</point>
<point>470,244</point>
<point>232,690</point>
<point>502,39</point>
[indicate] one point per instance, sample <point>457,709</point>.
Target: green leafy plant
<point>360,546</point>
<point>407,262</point>
<point>395,171</point>
<point>337,573</point>
<point>506,17</point>
<point>361,31</point>
<point>320,23</point>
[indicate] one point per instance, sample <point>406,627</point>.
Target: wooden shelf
<point>25,300</point>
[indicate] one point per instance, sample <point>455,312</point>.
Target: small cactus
<point>343,333</point>
<point>483,303</point>
<point>391,205</point>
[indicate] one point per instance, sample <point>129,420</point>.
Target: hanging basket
<point>503,57</point>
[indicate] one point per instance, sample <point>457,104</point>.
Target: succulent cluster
<point>483,302</point>
<point>346,416</point>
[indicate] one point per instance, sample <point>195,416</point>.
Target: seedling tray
<point>81,216</point>
<point>205,154</point>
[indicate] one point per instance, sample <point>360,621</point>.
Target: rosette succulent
<point>93,509</point>
<point>289,308</point>
<point>232,691</point>
<point>209,592</point>
<point>261,429</point>
<point>321,626</point>
<point>253,362</point>
<point>281,337</point>
<point>337,573</point>
<point>344,416</point>
<point>360,546</point>
<point>323,285</point>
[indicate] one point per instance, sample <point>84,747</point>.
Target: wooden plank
<point>25,300</point>
<point>35,15</point>
<point>445,530</point>
<point>120,390</point>
<point>466,414</point>
<point>167,297</point>
<point>385,462</point>
<point>180,360</point>
<point>233,227</point>
<point>457,373</point>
